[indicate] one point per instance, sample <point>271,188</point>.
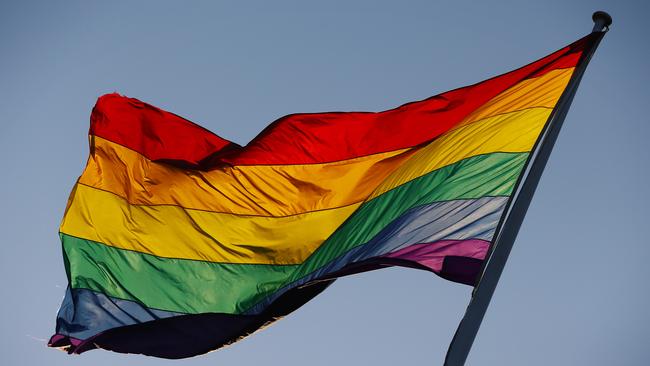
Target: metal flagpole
<point>514,215</point>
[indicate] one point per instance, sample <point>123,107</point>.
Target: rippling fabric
<point>177,242</point>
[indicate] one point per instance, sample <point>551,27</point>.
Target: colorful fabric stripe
<point>173,233</point>
<point>99,312</point>
<point>432,255</point>
<point>307,138</point>
<point>119,170</point>
<point>88,312</point>
<point>231,239</point>
<point>474,219</point>
<point>248,190</point>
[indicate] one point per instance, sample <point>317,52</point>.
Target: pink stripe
<point>431,255</point>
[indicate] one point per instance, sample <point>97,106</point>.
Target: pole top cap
<point>602,21</point>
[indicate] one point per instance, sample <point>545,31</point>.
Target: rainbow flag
<point>177,242</point>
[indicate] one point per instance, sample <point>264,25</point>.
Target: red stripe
<point>307,138</point>
<point>156,134</point>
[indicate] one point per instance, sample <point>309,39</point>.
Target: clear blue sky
<point>575,291</point>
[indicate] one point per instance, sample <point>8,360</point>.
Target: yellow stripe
<point>510,132</point>
<point>520,111</point>
<point>523,108</point>
<point>542,91</point>
<point>278,190</point>
<point>174,232</point>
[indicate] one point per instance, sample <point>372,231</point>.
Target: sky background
<point>575,290</point>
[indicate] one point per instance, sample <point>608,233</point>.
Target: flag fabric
<point>177,242</point>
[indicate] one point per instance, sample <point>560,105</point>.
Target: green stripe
<point>475,177</point>
<point>181,285</point>
<point>190,286</point>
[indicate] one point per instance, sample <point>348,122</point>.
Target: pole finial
<point>602,21</point>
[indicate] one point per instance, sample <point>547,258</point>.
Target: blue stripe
<point>449,220</point>
<point>85,313</point>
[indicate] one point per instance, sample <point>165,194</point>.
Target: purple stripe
<point>60,340</point>
<point>432,255</point>
<point>456,220</point>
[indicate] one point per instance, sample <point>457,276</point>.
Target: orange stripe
<point>263,190</point>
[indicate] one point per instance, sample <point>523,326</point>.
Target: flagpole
<point>514,215</point>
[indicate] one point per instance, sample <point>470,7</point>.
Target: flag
<point>177,242</point>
